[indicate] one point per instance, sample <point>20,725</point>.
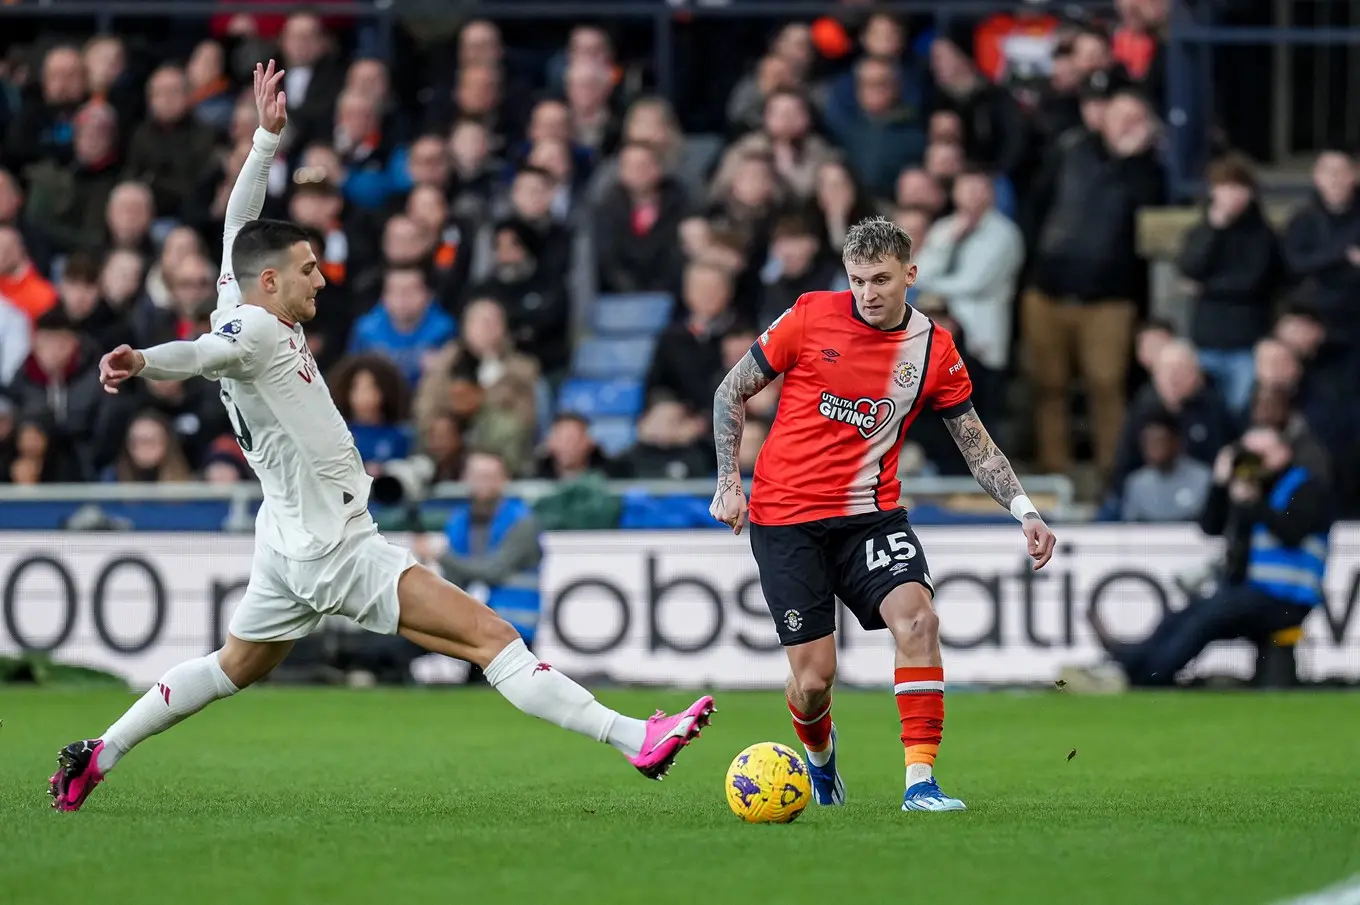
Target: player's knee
<point>495,635</point>
<point>245,663</point>
<point>910,617</point>
<point>813,684</point>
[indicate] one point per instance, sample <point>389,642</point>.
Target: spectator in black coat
<point>44,127</point>
<point>689,354</point>
<point>60,381</point>
<point>1322,246</point>
<point>637,228</point>
<point>799,263</point>
<point>1232,264</point>
<point>1177,387</point>
<point>1087,277</point>
<point>1325,392</point>
<point>671,444</point>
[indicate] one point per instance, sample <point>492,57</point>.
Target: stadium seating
<point>601,398</point>
<point>631,315</point>
<point>609,358</point>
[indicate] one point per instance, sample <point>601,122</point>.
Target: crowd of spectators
<point>464,225</point>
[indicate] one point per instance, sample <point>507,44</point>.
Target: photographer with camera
<point>1276,516</point>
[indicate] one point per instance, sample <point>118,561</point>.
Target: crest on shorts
<point>793,619</point>
<point>904,374</point>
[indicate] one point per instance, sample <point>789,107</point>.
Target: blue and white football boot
<point>925,795</point>
<point>827,788</point>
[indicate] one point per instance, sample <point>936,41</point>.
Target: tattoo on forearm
<point>987,463</point>
<point>729,414</point>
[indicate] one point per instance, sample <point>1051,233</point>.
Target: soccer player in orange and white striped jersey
<point>859,367</point>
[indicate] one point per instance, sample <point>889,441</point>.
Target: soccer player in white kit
<point>317,549</point>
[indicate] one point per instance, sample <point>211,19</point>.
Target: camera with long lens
<point>406,483</point>
<point>1247,465</point>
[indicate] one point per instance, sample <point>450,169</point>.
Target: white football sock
<point>539,690</point>
<point>183,691</point>
<point>919,773</point>
<point>822,757</point>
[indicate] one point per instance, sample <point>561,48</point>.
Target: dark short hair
<point>1231,169</point>
<point>1304,309</point>
<point>416,267</point>
<point>1159,324</point>
<point>81,267</point>
<point>1166,418</point>
<point>529,169</point>
<point>260,244</point>
<point>572,416</point>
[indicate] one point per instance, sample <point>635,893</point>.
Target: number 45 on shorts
<point>899,546</point>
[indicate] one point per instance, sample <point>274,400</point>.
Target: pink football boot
<point>666,735</point>
<point>77,774</point>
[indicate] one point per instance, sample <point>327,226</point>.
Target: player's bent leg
<point>812,674</point>
<point>918,683</point>
<point>445,619</point>
<point>183,691</point>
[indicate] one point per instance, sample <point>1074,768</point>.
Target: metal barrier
<point>1057,488</point>
<point>385,13</point>
<point>1191,38</point>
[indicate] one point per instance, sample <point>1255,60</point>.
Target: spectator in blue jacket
<point>881,131</point>
<point>406,325</point>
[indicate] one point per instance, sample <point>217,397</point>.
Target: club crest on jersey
<point>904,374</point>
<point>869,416</point>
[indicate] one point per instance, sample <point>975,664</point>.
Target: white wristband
<point>1021,507</point>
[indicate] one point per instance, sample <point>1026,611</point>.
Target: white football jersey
<point>283,416</point>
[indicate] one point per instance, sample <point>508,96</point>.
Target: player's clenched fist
<point>118,365</point>
<point>1040,540</point>
<point>729,503</point>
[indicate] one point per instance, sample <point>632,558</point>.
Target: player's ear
<point>911,274</point>
<point>269,279</point>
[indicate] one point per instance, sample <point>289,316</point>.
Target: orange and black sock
<point>920,704</point>
<point>814,731</point>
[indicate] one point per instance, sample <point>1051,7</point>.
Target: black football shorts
<point>858,558</point>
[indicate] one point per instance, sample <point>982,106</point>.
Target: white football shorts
<point>286,599</point>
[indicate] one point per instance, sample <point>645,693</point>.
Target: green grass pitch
<point>389,796</point>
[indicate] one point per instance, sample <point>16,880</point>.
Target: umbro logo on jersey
<point>830,355</point>
<point>870,416</point>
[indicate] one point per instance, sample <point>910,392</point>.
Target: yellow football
<point>768,783</point>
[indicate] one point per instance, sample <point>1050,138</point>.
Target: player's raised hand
<point>729,503</point>
<point>119,365</point>
<point>270,102</point>
<point>1039,540</point>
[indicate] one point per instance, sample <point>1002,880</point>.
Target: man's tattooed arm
<point>729,415</point>
<point>987,463</point>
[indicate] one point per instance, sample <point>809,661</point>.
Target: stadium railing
<point>197,506</point>
<point>384,14</point>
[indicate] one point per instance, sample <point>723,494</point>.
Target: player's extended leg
<point>183,691</point>
<point>812,673</point>
<point>918,682</point>
<point>443,618</point>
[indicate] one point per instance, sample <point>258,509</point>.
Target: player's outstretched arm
<point>729,418</point>
<point>238,348</point>
<point>248,194</point>
<point>995,475</point>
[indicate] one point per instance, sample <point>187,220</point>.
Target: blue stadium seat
<point>601,398</point>
<point>615,435</point>
<point>634,314</point>
<point>596,357</point>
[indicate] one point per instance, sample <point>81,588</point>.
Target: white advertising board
<point>676,608</point>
